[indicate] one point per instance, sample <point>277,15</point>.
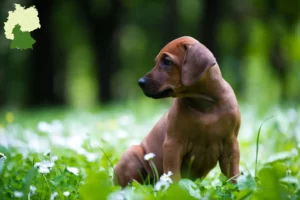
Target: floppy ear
<point>196,61</point>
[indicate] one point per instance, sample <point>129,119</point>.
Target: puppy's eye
<point>167,61</point>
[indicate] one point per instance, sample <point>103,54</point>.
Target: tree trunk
<point>104,33</point>
<point>170,24</point>
<point>1,83</point>
<point>3,64</point>
<point>43,66</point>
<point>277,58</point>
<point>212,15</point>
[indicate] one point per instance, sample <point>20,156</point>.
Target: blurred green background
<point>91,53</point>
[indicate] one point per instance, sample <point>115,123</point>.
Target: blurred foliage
<point>256,44</point>
<point>63,139</point>
<point>257,47</point>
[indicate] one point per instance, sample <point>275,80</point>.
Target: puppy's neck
<point>201,104</point>
<point>207,92</point>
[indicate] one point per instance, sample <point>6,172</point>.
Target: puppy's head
<point>177,66</point>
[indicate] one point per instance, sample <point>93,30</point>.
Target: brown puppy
<point>202,125</point>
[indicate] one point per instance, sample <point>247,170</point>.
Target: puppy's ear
<point>196,61</point>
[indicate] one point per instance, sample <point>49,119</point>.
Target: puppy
<point>202,125</point>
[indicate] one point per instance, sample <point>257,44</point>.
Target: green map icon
<point>22,40</point>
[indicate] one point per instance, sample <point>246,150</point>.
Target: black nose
<point>142,82</point>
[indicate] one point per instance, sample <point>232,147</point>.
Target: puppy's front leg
<point>229,161</point>
<point>172,157</point>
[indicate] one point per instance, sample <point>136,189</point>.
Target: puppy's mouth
<point>162,94</point>
<point>154,89</point>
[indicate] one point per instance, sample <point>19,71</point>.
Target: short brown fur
<point>201,126</point>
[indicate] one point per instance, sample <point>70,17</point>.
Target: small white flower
<point>66,193</point>
<point>49,163</point>
<point>44,170</point>
<point>216,183</point>
<point>43,126</point>
<point>54,158</point>
<point>121,134</point>
<point>37,165</point>
<point>162,185</point>
<point>2,155</point>
<point>149,156</point>
<point>117,195</point>
<point>166,177</point>
<point>288,172</point>
<point>32,189</point>
<point>91,156</point>
<point>73,170</point>
<point>57,127</point>
<point>2,158</point>
<point>47,153</point>
<point>45,166</point>
<point>18,194</point>
<point>45,163</point>
<point>53,195</point>
<point>164,182</point>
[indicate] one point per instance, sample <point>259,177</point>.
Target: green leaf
<point>57,179</point>
<point>176,191</point>
<point>22,40</point>
<point>270,183</point>
<point>244,195</point>
<point>191,187</point>
<point>97,186</point>
<point>223,178</point>
<point>28,179</point>
<point>247,182</point>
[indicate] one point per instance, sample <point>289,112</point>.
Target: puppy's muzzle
<point>152,88</point>
<point>142,82</point>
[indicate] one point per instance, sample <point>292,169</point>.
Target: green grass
<point>92,141</point>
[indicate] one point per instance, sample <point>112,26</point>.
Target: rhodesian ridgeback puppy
<point>202,125</point>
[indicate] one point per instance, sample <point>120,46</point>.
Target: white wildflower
<point>91,157</point>
<point>290,180</point>
<point>149,156</point>
<point>45,166</point>
<point>73,170</point>
<point>121,134</point>
<point>43,170</point>
<point>56,126</point>
<point>54,158</point>
<point>37,165</point>
<point>53,195</point>
<point>2,158</point>
<point>44,126</point>
<point>166,177</point>
<point>18,194</point>
<point>117,195</point>
<point>45,163</point>
<point>292,114</point>
<point>162,185</point>
<point>126,120</point>
<point>2,155</point>
<point>32,189</point>
<point>66,193</point>
<point>47,153</point>
<point>216,183</point>
<point>164,182</point>
<point>283,155</point>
